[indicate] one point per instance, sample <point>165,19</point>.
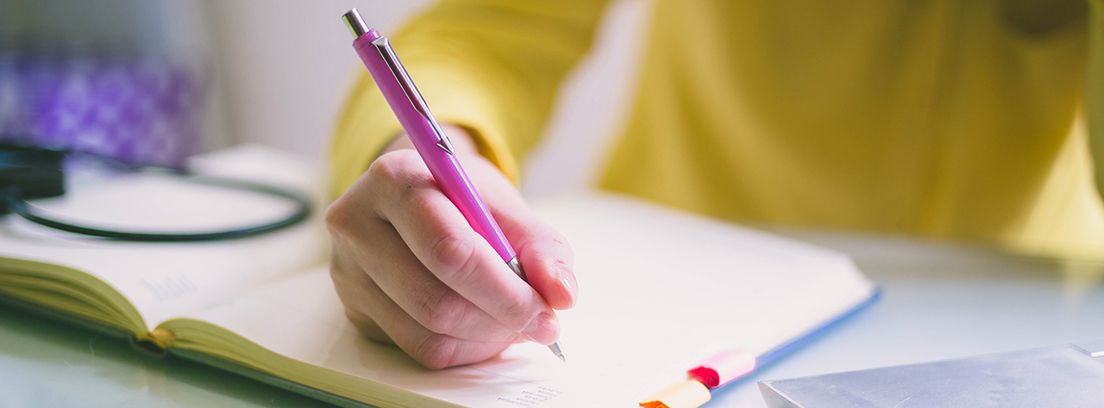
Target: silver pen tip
<point>555,347</point>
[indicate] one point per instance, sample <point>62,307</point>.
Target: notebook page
<point>165,279</point>
<point>659,293</point>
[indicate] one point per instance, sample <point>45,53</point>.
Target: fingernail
<point>566,282</point>
<point>542,329</point>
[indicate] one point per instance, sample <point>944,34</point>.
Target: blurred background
<point>159,80</point>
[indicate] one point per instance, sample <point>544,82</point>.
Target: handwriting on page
<point>169,287</point>
<point>534,397</point>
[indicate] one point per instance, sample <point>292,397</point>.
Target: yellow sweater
<point>971,120</point>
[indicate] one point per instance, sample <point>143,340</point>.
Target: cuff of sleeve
<point>457,100</point>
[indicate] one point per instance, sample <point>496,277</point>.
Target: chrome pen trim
<point>383,46</point>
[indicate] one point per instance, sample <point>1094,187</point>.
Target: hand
<point>412,272</point>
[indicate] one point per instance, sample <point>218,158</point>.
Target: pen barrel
<point>431,143</point>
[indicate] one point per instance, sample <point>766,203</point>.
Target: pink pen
<point>428,138</point>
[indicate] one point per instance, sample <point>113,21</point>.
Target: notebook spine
<point>156,343</point>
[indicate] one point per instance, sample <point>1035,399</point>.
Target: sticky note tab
<point>705,375</point>
<point>686,394</point>
<point>723,367</point>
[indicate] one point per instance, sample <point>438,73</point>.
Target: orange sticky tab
<point>685,394</point>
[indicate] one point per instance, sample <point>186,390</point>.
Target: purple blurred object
<point>138,110</point>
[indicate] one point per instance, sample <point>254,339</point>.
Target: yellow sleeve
<point>490,66</point>
<point>1094,91</point>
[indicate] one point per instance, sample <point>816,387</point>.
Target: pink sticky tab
<point>705,375</point>
<point>723,367</point>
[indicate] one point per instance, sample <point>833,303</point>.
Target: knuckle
<point>453,257</point>
<point>436,351</point>
<point>338,218</point>
<point>516,312</point>
<point>392,167</point>
<point>384,167</point>
<point>399,176</point>
<point>445,313</point>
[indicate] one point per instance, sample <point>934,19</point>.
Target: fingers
<point>411,271</point>
<point>545,256</point>
<point>380,319</point>
<point>439,236</point>
<point>419,293</point>
<point>543,252</point>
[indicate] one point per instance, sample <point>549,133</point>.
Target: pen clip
<point>383,46</point>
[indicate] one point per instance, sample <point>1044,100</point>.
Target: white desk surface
<point>939,301</point>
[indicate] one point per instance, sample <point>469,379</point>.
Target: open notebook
<point>660,292</point>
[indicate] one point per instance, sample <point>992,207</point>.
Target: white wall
<point>284,67</point>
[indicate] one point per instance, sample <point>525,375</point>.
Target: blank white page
<point>660,291</point>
